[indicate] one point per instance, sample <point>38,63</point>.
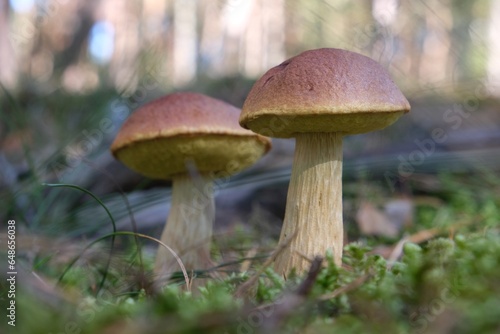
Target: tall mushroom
<point>166,136</point>
<point>318,97</point>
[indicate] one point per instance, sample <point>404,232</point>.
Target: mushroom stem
<point>188,230</point>
<point>314,202</point>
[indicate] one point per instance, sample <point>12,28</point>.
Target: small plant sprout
<point>317,98</point>
<point>191,139</point>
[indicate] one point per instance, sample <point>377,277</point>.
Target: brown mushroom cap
<point>161,137</point>
<point>323,90</point>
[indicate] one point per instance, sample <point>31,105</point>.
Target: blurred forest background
<point>69,69</point>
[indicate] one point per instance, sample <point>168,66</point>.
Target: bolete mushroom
<point>162,139</point>
<point>318,97</point>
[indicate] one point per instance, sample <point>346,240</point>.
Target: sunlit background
<point>80,46</point>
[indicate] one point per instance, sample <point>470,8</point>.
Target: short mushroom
<point>317,97</point>
<point>166,136</point>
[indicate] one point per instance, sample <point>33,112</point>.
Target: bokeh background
<point>68,69</point>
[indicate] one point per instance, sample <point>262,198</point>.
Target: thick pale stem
<point>189,226</point>
<point>314,203</point>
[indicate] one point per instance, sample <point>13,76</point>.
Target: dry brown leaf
<point>372,221</point>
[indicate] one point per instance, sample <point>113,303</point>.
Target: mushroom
<point>162,139</point>
<point>318,97</point>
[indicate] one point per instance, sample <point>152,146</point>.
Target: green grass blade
<point>112,235</point>
<point>62,185</point>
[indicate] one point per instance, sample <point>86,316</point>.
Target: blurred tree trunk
<point>274,38</point>
<point>185,41</point>
<point>253,44</point>
<point>125,66</point>
<point>8,66</point>
<point>211,39</point>
<point>72,53</point>
<point>493,70</point>
<point>462,51</point>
